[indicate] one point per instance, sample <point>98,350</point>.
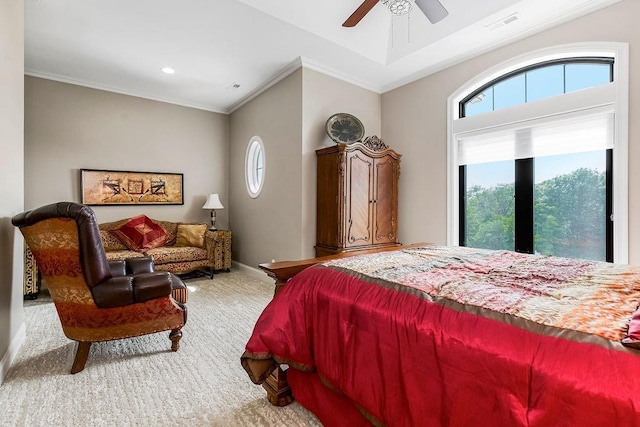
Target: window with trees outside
<point>534,159</point>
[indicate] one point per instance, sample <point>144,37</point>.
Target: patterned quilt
<point>456,336</point>
<point>585,296</point>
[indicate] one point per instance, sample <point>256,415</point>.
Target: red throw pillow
<point>141,233</point>
<point>633,333</point>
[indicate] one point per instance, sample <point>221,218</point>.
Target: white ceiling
<point>121,45</point>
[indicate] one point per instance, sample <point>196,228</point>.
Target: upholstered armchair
<point>98,300</point>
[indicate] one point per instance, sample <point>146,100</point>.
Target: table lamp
<point>213,203</point>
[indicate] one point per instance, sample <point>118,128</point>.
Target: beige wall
<point>68,128</point>
<point>415,119</point>
<point>12,178</point>
<point>268,227</point>
<point>289,117</point>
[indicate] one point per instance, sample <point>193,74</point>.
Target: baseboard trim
<point>253,272</point>
<point>12,351</point>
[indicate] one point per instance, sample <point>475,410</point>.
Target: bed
<point>431,335</point>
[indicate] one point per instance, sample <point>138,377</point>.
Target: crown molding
<point>289,69</point>
<point>321,68</point>
<point>64,79</point>
<point>300,62</point>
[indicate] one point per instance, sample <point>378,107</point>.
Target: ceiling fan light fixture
<point>432,9</point>
<point>398,7</point>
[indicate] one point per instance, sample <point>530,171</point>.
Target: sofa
<point>177,247</point>
<point>202,248</point>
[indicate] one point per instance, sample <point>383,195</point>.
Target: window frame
<point>548,63</point>
<point>252,181</point>
<point>614,94</point>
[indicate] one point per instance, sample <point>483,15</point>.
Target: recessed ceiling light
<point>168,70</point>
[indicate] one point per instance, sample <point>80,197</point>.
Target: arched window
<point>255,166</point>
<point>535,147</point>
<point>538,81</point>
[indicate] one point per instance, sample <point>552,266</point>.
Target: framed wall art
<point>109,187</point>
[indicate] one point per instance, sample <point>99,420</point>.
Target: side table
<point>222,254</point>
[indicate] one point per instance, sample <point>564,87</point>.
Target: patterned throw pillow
<point>171,228</point>
<point>191,235</point>
<point>111,242</point>
<point>140,233</point>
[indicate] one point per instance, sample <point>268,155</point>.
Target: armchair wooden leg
<point>82,353</point>
<point>175,336</point>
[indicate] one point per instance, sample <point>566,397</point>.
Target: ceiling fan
<point>432,9</point>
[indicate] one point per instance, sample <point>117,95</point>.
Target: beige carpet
<point>139,381</point>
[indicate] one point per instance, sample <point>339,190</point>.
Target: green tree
<point>490,217</point>
<point>569,216</point>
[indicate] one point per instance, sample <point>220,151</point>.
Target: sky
<point>536,84</point>
<point>491,174</point>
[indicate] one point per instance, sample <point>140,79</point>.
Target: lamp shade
<point>213,202</point>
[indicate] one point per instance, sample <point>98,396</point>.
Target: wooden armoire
<point>357,197</point>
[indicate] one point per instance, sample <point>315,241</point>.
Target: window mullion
<point>524,181</point>
<point>462,203</point>
<point>609,207</point>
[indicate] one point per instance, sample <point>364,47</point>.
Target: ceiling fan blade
<point>359,13</point>
<point>433,10</point>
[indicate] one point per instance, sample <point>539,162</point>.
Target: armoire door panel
<point>358,192</point>
<point>385,200</point>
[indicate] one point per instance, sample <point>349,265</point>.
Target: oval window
<point>254,166</point>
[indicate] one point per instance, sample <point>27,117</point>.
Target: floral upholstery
<point>122,255</point>
<point>172,254</point>
<point>72,267</point>
<point>215,255</point>
<point>111,242</point>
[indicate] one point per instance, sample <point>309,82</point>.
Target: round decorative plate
<point>344,128</point>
